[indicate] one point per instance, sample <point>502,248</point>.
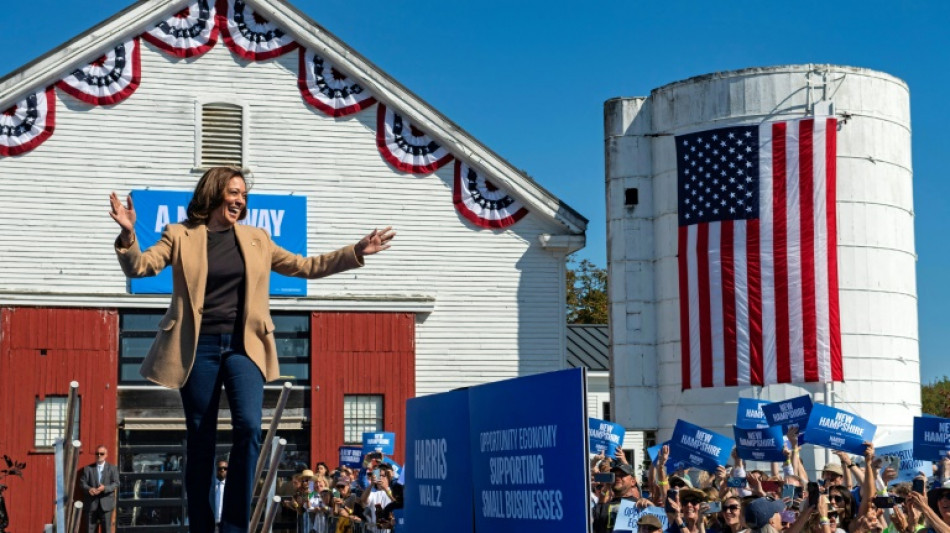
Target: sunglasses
<point>100,453</point>
<point>732,508</point>
<point>837,498</point>
<point>944,496</point>
<point>222,468</point>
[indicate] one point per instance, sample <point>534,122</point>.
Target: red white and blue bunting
<point>328,89</point>
<point>483,203</point>
<point>27,124</point>
<point>405,146</point>
<point>188,33</point>
<point>250,35</point>
<point>109,79</point>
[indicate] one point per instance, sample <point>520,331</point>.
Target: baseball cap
<point>833,468</point>
<point>759,512</point>
<point>626,469</point>
<point>649,520</point>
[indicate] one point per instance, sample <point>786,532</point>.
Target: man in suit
<point>99,481</point>
<point>221,475</point>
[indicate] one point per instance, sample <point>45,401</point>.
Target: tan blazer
<point>172,355</point>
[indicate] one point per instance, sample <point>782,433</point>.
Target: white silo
<point>875,241</point>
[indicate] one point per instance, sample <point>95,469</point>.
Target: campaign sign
<point>529,466</point>
<point>788,413</point>
<point>628,515</point>
<point>351,456</point>
<point>838,429</point>
<point>749,414</point>
<point>909,467</point>
<point>699,447</point>
<point>283,217</point>
<point>438,472</point>
<point>931,438</point>
<point>605,437</point>
<point>765,444</point>
<point>379,442</point>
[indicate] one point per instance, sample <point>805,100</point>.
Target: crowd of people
<point>350,500</point>
<point>847,498</point>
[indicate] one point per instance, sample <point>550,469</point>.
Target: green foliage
<point>586,293</point>
<point>935,397</point>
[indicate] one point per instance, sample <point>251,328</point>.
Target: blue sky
<point>529,79</point>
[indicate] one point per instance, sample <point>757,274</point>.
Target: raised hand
<point>375,242</point>
<point>124,216</point>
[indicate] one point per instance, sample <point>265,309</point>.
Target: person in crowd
<point>218,328</point>
<point>763,515</point>
<point>625,487</point>
<point>345,504</point>
<point>648,523</point>
<point>221,474</point>
<point>727,520</point>
<point>683,510</point>
<point>99,482</point>
<point>378,495</point>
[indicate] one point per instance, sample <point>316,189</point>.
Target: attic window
<point>221,136</point>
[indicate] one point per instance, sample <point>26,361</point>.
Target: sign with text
<point>351,456</point>
<point>605,437</point>
<point>699,447</point>
<point>749,414</point>
<point>283,217</point>
<point>529,467</point>
<point>931,438</point>
<point>787,413</point>
<point>838,429</point>
<point>628,515</point>
<point>765,444</point>
<point>379,442</point>
<point>909,467</point>
<point>438,472</point>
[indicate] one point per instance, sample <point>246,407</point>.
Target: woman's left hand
<point>375,242</point>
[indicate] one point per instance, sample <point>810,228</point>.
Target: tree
<point>586,293</point>
<point>935,397</point>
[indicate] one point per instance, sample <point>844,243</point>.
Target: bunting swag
<point>481,202</point>
<point>109,79</point>
<point>188,33</point>
<point>405,147</point>
<point>328,89</point>
<point>250,35</point>
<point>27,124</point>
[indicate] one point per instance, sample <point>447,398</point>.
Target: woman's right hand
<point>124,215</point>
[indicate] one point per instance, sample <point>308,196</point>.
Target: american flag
<point>758,274</point>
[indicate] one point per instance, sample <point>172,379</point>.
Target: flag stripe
<point>831,177</point>
<point>809,343</point>
<point>681,257</point>
<point>822,349</point>
<point>693,300</point>
<point>729,303</point>
<point>793,254</point>
<point>756,362</point>
<point>705,336</point>
<point>779,230</point>
<point>716,319</point>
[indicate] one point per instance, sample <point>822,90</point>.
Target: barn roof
<point>141,16</point>
<point>587,347</point>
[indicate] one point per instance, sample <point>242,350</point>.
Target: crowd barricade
<point>318,523</point>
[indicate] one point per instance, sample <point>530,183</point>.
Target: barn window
<point>221,135</point>
<point>51,421</point>
<point>361,414</point>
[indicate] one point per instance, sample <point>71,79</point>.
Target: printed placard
<point>764,444</point>
<point>605,437</point>
<point>838,429</point>
<point>351,456</point>
<point>379,442</point>
<point>749,414</point>
<point>931,438</point>
<point>699,447</point>
<point>909,467</point>
<point>787,413</point>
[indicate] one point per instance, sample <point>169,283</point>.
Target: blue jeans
<point>216,364</point>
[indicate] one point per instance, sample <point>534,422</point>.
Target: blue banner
<point>529,460</point>
<point>351,456</point>
<point>764,444</point>
<point>749,414</point>
<point>931,438</point>
<point>283,217</point>
<point>379,442</point>
<point>699,447</point>
<point>838,429</point>
<point>628,515</point>
<point>909,467</point>
<point>438,473</point>
<point>787,413</point>
<point>605,437</point>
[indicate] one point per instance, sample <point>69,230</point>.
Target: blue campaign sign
<point>838,429</point>
<point>765,444</point>
<point>628,515</point>
<point>283,217</point>
<point>749,414</point>
<point>787,413</point>
<point>351,456</point>
<point>931,438</point>
<point>699,447</point>
<point>438,472</point>
<point>379,442</point>
<point>529,466</point>
<point>909,467</point>
<point>605,437</point>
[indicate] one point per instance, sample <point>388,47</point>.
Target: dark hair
<point>209,194</point>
